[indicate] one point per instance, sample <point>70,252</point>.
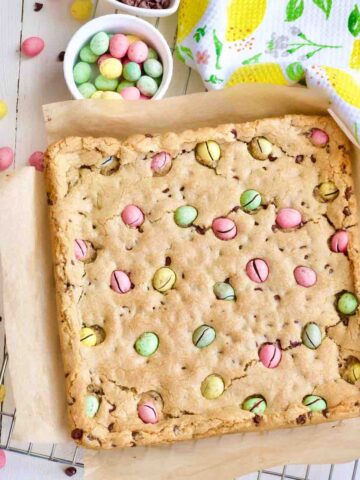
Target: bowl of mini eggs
<point>118,57</point>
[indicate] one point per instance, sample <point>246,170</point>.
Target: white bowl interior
<point>118,24</point>
<point>146,12</point>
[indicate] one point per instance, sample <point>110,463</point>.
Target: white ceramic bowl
<point>118,24</point>
<point>146,12</point>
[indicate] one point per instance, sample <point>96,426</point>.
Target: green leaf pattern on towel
<point>325,6</point>
<point>354,21</point>
<point>294,10</point>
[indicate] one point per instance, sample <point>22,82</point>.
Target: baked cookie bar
<point>207,281</point>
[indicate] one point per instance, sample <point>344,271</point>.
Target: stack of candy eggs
<point>118,66</point>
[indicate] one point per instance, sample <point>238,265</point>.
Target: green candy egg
<point>315,403</point>
<point>105,84</point>
<point>224,291</point>
<point>311,336</point>
<point>212,387</point>
<point>87,89</point>
<point>347,303</point>
<point>124,84</point>
<point>82,73</point>
<point>255,404</point>
<point>147,86</point>
<point>100,43</point>
<point>87,55</point>
<point>147,344</point>
<point>185,216</point>
<point>203,336</point>
<point>92,405</point>
<point>153,68</point>
<point>152,54</point>
<point>250,200</point>
<point>132,72</point>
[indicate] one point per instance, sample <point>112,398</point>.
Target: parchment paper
<point>30,322</point>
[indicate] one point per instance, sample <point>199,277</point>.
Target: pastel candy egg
<point>185,216</point>
<point>81,10</point>
<point>305,276</point>
<point>144,97</point>
<point>327,191</point>
<point>260,148</point>
<point>111,68</point>
<point>339,241</point>
<point>250,200</point>
<point>120,282</point>
<point>92,405</point>
<point>87,55</point>
<point>96,95</point>
<point>82,73</point>
<point>208,153</point>
<point>80,249</point>
<point>152,54</point>
<point>2,393</point>
<point>257,270</point>
<point>36,160</point>
<point>132,72</point>
<point>132,38</point>
<point>109,165</point>
<point>161,163</point>
<point>147,344</point>
<point>212,387</point>
<point>352,372</point>
<point>270,355</point>
<point>315,403</point>
<point>130,93</point>
<point>124,84</point>
<point>224,228</point>
<point>153,68</point>
<point>147,413</point>
<point>318,137</point>
<point>87,89</point>
<point>3,109</point>
<point>103,57</point>
<point>32,46</point>
<point>99,43</point>
<point>164,279</point>
<point>288,218</point>
<point>6,158</point>
<point>311,336</point>
<point>147,86</point>
<point>119,45</point>
<point>138,51</point>
<point>203,336</point>
<point>132,216</point>
<point>255,404</point>
<point>224,291</point>
<point>88,337</point>
<point>111,96</point>
<point>347,303</point>
<point>2,459</point>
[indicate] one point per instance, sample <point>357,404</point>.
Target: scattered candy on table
<point>2,459</point>
<point>36,160</point>
<point>81,10</point>
<point>70,471</point>
<point>2,392</point>
<point>32,46</point>
<point>6,158</point>
<point>121,63</point>
<point>3,109</point>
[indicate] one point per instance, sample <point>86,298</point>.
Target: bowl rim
<point>145,12</point>
<point>76,42</point>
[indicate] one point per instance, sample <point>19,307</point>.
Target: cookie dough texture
<point>87,204</point>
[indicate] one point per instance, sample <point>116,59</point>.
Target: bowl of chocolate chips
<point>147,8</point>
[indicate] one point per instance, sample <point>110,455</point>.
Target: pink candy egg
<point>2,459</point>
<point>80,249</point>
<point>6,158</point>
<point>318,137</point>
<point>147,413</point>
<point>120,282</point>
<point>103,57</point>
<point>224,228</point>
<point>32,46</point>
<point>305,276</point>
<point>270,355</point>
<point>132,216</point>
<point>130,93</point>
<point>257,270</point>
<point>288,218</point>
<point>138,52</point>
<point>119,45</point>
<point>339,241</point>
<point>161,163</point>
<point>144,97</point>
<point>36,160</point>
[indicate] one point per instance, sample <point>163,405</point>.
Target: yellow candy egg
<point>111,68</point>
<point>88,337</point>
<point>3,109</point>
<point>2,393</point>
<point>132,38</point>
<point>111,96</point>
<point>164,279</point>
<point>81,10</point>
<point>97,94</point>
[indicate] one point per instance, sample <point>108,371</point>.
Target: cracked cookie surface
<point>91,181</point>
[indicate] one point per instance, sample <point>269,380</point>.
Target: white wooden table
<point>25,85</point>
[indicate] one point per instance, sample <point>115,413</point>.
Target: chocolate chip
<point>348,192</point>
<point>274,228</point>
<point>166,190</point>
<point>38,6</point>
<point>271,158</point>
<point>182,189</point>
<point>277,298</point>
<point>200,230</point>
<point>295,344</point>
<point>301,419</point>
<point>61,56</point>
<point>345,321</point>
<point>167,261</point>
<point>313,158</point>
<point>77,433</point>
<point>257,419</point>
<point>111,427</point>
<point>347,211</point>
<point>70,471</point>
<point>148,135</point>
<point>299,158</point>
<point>154,4</point>
<point>235,177</point>
<point>234,132</point>
<point>343,168</point>
<point>236,208</point>
<point>326,412</point>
